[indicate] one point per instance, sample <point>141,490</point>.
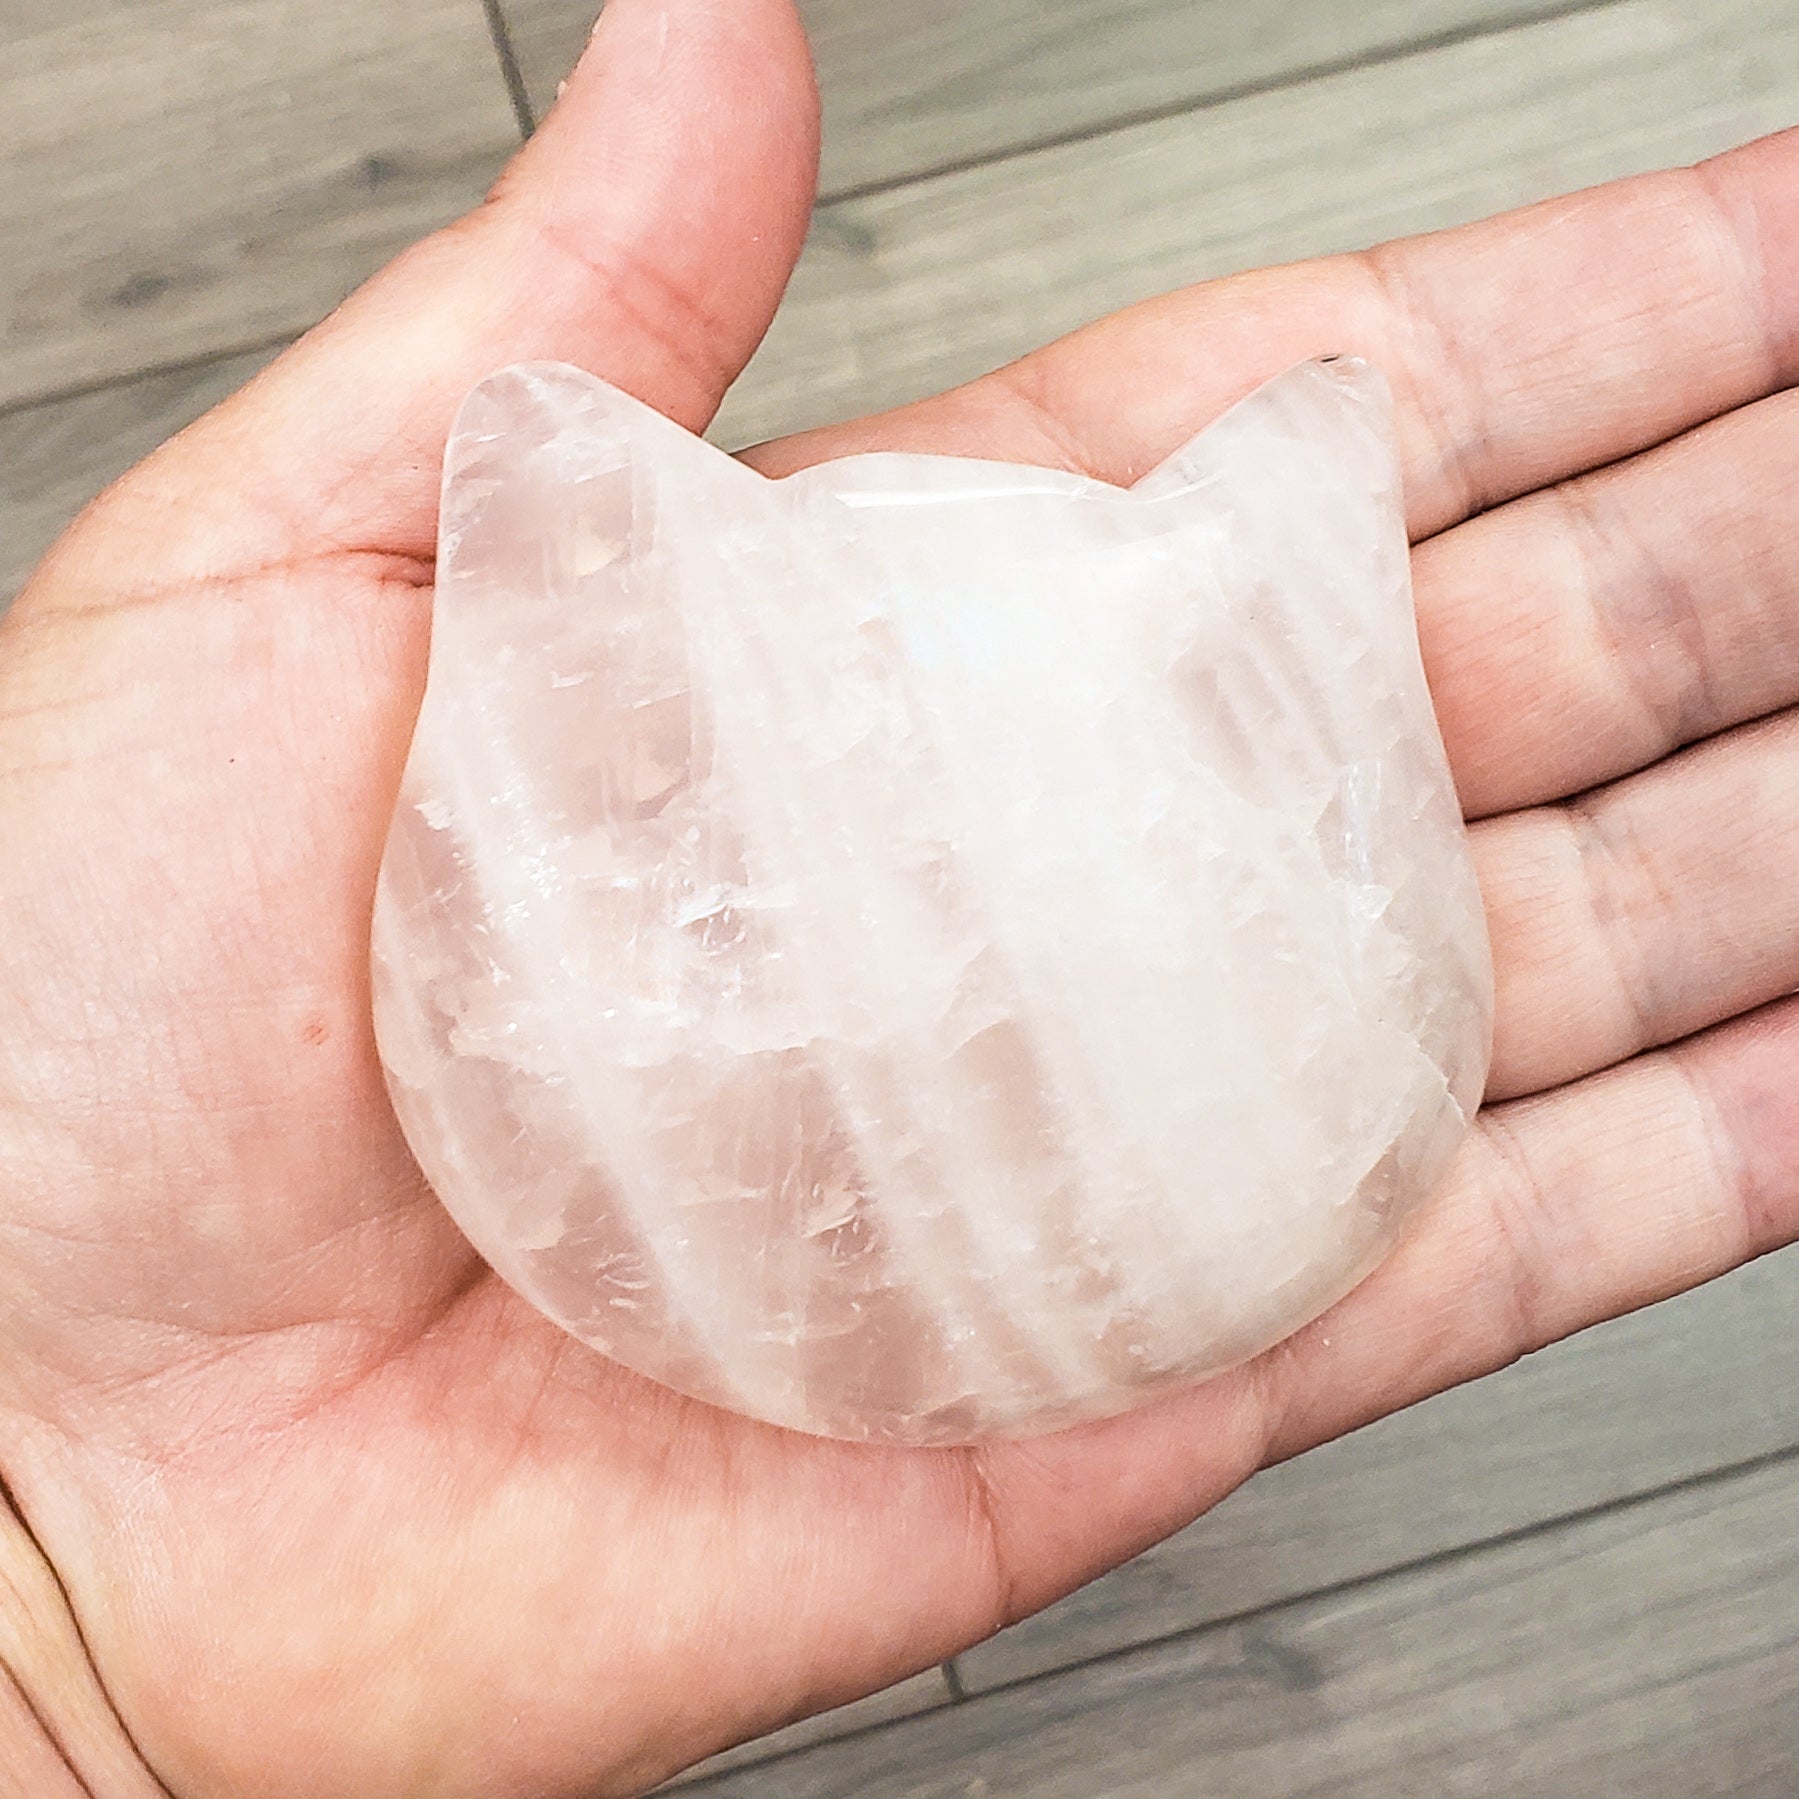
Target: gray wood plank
<point>909,1699</point>
<point>1649,1652</point>
<point>1668,1394</point>
<point>199,175</point>
<point>57,455</point>
<point>933,83</point>
<point>1323,1519</point>
<point>901,293</point>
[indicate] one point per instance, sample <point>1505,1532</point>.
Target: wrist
<point>59,1733</point>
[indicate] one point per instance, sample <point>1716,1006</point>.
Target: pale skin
<point>305,1502</point>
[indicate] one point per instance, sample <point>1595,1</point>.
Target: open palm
<point>335,1512</point>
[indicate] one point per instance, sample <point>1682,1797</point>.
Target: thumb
<point>646,232</point>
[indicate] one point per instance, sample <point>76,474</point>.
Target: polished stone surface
<point>927,949</point>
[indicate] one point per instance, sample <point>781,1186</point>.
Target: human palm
<point>336,1513</point>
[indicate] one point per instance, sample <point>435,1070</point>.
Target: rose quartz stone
<point>925,950</point>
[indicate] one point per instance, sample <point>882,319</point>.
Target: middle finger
<point>1587,631</point>
<point>1646,911</point>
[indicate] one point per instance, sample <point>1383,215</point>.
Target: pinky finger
<point>1568,1208</point>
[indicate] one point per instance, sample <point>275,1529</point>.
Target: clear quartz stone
<point>927,949</point>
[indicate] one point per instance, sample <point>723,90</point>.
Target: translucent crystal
<point>927,949</point>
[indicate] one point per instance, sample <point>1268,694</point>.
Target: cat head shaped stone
<point>927,949</point>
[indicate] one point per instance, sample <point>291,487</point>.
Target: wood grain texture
<point>1695,1384</point>
<point>1649,1652</point>
<point>931,83</point>
<point>257,160</point>
<point>198,175</point>
<point>57,455</point>
<point>901,293</point>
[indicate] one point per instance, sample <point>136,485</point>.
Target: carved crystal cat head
<point>927,949</point>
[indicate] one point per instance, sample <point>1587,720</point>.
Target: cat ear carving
<point>545,455</point>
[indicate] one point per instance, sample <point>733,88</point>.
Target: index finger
<point>1521,350</point>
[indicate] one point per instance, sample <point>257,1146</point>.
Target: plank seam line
<point>510,72</point>
<point>155,371</point>
<point>961,1695</point>
<point>1505,1539</point>
<point>501,35</point>
<point>1379,56</point>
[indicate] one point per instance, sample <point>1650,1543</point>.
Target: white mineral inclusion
<point>926,949</point>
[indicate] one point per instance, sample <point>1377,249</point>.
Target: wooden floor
<point>1580,1577</point>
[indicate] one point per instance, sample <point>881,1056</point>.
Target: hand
<point>336,1513</point>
